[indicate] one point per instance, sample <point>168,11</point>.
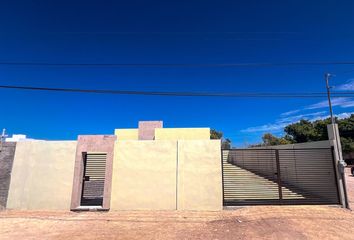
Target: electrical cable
<point>184,94</point>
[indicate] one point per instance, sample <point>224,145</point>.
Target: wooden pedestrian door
<point>93,179</point>
<point>279,176</point>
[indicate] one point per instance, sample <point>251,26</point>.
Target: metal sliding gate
<point>279,176</point>
<point>93,179</point>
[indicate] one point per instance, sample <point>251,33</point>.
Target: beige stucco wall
<point>166,134</point>
<point>182,133</point>
<point>126,134</point>
<point>42,175</point>
<point>147,175</point>
<point>144,175</point>
<point>199,175</point>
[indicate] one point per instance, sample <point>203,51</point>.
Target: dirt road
<point>300,222</point>
<point>349,178</point>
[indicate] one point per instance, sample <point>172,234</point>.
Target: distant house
<point>18,138</point>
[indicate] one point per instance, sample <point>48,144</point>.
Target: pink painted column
<point>147,129</point>
<point>93,143</point>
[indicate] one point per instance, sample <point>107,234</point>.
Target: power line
<point>184,94</point>
<point>177,64</point>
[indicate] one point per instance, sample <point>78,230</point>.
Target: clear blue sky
<point>197,32</point>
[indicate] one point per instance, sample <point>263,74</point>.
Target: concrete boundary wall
<point>144,175</point>
<point>199,175</point>
<point>42,175</point>
<point>7,153</point>
<point>167,175</point>
<point>126,134</point>
<point>182,134</point>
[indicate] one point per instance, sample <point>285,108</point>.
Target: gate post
<point>278,176</point>
<point>222,176</point>
<point>334,138</point>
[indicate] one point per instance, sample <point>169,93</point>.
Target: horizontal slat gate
<point>284,176</point>
<point>94,178</point>
<point>243,183</point>
<point>310,173</point>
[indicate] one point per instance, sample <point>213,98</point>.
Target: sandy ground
<point>273,222</point>
<point>349,178</point>
<point>299,222</point>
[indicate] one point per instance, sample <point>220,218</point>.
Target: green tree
<point>214,134</point>
<point>347,144</point>
<point>303,131</point>
<point>271,140</point>
<point>307,131</point>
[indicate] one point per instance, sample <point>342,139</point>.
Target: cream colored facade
<point>166,134</point>
<point>179,170</point>
<point>167,175</point>
<point>199,175</point>
<point>42,175</point>
<point>182,133</point>
<point>144,175</point>
<point>127,134</point>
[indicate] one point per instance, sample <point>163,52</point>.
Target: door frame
<point>88,144</point>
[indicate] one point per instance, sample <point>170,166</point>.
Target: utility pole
<point>333,121</point>
<point>336,136</point>
<point>327,76</point>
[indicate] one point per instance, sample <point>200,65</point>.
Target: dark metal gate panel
<point>250,177</point>
<point>310,174</point>
<point>93,179</point>
<point>284,176</point>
